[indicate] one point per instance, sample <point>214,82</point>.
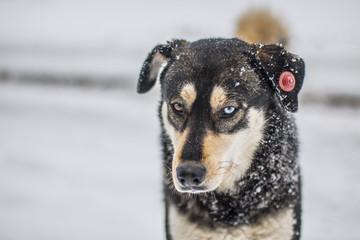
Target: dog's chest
<point>277,225</point>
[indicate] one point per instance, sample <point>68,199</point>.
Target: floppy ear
<point>156,63</point>
<point>283,70</point>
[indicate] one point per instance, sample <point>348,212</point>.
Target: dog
<point>229,139</point>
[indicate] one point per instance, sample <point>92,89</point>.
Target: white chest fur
<point>277,226</point>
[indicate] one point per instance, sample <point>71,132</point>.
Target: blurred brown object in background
<point>259,25</point>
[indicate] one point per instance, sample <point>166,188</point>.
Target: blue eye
<point>228,111</point>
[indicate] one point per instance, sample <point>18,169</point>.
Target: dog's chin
<point>193,190</point>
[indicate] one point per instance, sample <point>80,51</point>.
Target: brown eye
<point>178,107</point>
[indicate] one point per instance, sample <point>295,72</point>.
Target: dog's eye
<point>228,112</point>
<point>178,108</point>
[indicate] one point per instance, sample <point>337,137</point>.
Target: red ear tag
<point>287,81</point>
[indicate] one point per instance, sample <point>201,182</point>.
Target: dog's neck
<point>260,191</point>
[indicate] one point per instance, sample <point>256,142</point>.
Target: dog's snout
<point>190,175</point>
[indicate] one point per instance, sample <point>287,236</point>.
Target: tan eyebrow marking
<point>188,93</point>
<point>218,97</point>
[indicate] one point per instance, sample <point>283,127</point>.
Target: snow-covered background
<point>84,162</point>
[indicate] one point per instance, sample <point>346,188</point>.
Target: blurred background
<point>79,149</point>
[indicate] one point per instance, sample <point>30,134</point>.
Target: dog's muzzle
<point>190,176</point>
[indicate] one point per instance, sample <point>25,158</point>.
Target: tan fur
<point>170,130</point>
<point>228,156</point>
<point>218,97</point>
<point>243,148</point>
<point>261,26</point>
<point>225,156</point>
<point>272,226</point>
<point>178,139</point>
<point>188,93</point>
<point>215,145</point>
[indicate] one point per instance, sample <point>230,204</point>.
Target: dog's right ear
<point>155,64</point>
<point>156,61</point>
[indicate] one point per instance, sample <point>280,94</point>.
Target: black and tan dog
<point>229,142</point>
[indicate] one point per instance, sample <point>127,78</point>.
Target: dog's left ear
<point>156,63</point>
<point>284,71</point>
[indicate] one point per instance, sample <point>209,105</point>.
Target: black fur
<point>271,61</point>
<point>273,180</point>
<point>242,207</point>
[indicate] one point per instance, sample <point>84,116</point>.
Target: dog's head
<point>215,97</point>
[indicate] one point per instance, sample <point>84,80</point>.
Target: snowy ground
<point>78,165</point>
<point>85,164</point>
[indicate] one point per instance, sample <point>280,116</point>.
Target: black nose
<point>190,175</point>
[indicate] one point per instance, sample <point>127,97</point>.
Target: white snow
<point>86,163</point>
<point>78,165</point>
<point>330,140</point>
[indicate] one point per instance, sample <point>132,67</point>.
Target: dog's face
<point>215,96</point>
